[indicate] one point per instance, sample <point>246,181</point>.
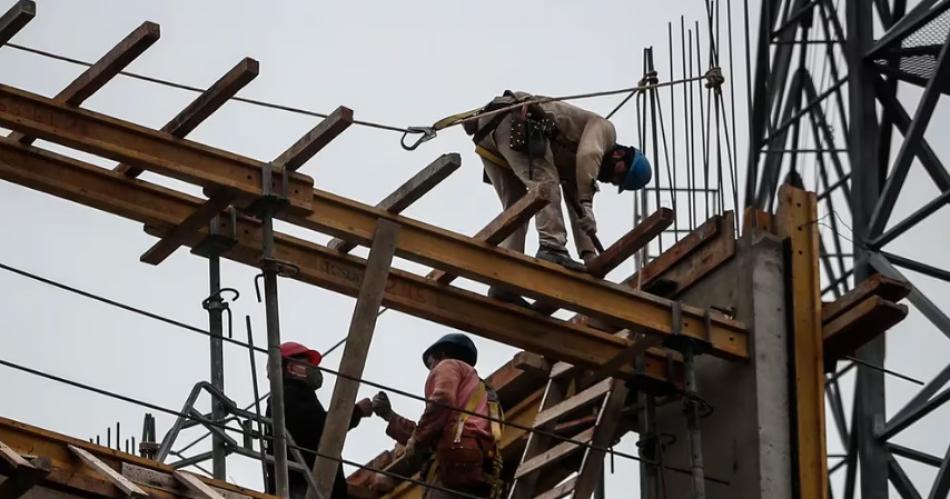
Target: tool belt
<point>465,462</point>
<point>531,126</point>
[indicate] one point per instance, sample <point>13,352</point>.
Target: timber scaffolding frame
<point>235,221</point>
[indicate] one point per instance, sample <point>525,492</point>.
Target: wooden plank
<point>106,68</point>
<point>560,491</point>
<point>15,18</point>
<point>410,192</point>
<point>859,325</point>
<point>351,368</point>
<point>23,479</point>
<point>877,285</point>
<point>294,157</point>
<point>532,362</point>
<point>505,224</point>
<point>195,485</point>
<point>556,453</point>
<point>795,221</point>
<point>631,242</point>
<point>123,483</point>
<point>611,414</point>
<point>708,231</point>
<point>205,105</point>
<point>572,404</point>
<point>13,458</point>
<point>316,139</point>
<point>620,251</point>
<point>637,346</point>
<point>184,231</point>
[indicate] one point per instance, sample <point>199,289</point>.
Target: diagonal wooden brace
<point>409,192</point>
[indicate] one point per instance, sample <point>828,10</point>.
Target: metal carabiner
<point>428,133</point>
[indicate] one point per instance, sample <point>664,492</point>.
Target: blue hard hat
<point>638,174</point>
<point>458,346</point>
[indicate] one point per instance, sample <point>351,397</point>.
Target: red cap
<point>294,349</point>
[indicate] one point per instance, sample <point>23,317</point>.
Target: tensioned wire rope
<point>381,126</point>
<point>194,329</point>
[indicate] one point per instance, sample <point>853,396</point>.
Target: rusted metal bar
<point>410,192</point>
<point>205,105</point>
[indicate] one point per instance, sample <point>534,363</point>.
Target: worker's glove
<point>414,454</point>
<point>364,408</point>
<point>586,222</point>
<point>382,407</point>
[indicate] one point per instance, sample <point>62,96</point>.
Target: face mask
<point>309,375</point>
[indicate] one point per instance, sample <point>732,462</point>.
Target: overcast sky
<point>404,63</point>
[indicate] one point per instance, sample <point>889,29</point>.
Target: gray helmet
<point>457,345</point>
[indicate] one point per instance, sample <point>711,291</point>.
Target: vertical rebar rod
<point>654,98</point>
<point>692,133</point>
<point>648,442</point>
<point>216,328</point>
<point>703,128</point>
<point>687,126</point>
<point>274,365</point>
<point>692,424</point>
<point>734,168</point>
<point>673,193</point>
<point>257,396</point>
<point>118,436</point>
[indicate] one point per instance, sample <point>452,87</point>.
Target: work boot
<point>560,257</point>
<point>506,296</point>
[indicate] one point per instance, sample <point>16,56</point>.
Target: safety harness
<point>480,394</point>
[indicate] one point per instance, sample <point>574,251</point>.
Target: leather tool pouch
<point>461,464</point>
<point>531,129</point>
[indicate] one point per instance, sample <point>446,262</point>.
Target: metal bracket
<point>222,235</point>
<point>273,196</point>
<point>680,342</point>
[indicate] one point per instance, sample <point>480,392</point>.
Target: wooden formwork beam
<point>505,224</point>
<point>620,251</point>
<point>161,209</point>
<point>82,469</point>
<point>106,68</point>
<point>795,217</point>
<point>205,105</point>
<point>410,192</point>
<point>290,160</point>
<point>15,18</point>
<point>150,149</point>
<point>338,216</point>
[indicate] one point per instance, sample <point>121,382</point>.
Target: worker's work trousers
<point>524,174</point>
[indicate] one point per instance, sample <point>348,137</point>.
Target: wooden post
<point>796,220</point>
<point>354,356</point>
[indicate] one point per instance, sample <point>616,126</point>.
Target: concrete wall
<point>746,441</point>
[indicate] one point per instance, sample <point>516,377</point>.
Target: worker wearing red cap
<point>305,415</point>
<point>464,442</point>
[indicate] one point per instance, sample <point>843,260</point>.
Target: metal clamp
<point>283,269</point>
<point>273,197</point>
<point>427,134</point>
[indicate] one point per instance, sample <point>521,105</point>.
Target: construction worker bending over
<point>465,446</point>
<point>306,417</point>
<point>553,143</point>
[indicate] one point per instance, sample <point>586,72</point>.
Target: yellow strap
<point>494,410</point>
<point>491,157</point>
<point>474,400</point>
